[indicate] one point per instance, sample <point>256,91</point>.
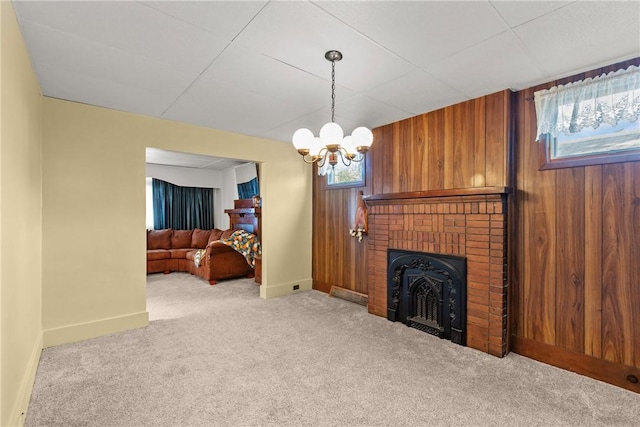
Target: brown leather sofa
<point>173,250</point>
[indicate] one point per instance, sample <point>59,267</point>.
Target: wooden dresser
<point>245,216</point>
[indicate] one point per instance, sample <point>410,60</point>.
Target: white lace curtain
<point>606,99</point>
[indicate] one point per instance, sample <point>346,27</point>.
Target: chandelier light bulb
<point>362,137</point>
<point>302,139</point>
<point>331,134</point>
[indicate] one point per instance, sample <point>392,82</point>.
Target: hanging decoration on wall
<point>361,226</point>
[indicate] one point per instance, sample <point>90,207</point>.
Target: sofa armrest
<point>217,247</point>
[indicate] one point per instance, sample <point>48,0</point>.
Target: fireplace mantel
<point>416,195</point>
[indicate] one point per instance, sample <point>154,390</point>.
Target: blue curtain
<point>181,208</point>
<point>248,189</point>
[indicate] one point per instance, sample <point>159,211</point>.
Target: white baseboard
<point>83,331</point>
<point>285,288</point>
<point>19,408</point>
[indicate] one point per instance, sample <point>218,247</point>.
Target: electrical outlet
<point>296,287</point>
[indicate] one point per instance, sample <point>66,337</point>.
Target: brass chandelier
<point>332,144</point>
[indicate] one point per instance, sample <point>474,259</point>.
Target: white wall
<point>246,172</point>
<point>228,193</point>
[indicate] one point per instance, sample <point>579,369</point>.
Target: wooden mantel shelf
<point>457,192</point>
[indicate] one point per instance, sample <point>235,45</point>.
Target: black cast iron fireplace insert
<point>428,292</point>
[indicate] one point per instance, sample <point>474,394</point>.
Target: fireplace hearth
<point>427,291</point>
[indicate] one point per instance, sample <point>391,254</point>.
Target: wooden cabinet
<point>244,216</point>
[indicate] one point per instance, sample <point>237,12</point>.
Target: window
<point>342,176</point>
<point>594,121</point>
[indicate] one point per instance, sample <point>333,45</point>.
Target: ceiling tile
<point>420,31</point>
<point>219,105</point>
<point>519,12</point>
<point>73,68</point>
<point>223,19</point>
<point>365,111</point>
<point>498,63</point>
<point>250,71</point>
<point>583,35</point>
<point>417,93</point>
<point>131,27</point>
<point>103,93</point>
<point>299,34</point>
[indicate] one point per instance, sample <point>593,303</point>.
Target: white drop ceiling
<point>258,67</point>
<point>156,156</point>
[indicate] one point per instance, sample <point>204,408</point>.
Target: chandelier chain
<point>333,90</point>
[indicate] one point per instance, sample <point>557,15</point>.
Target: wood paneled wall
<point>576,289</point>
<point>461,146</point>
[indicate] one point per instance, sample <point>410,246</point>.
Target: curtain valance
<point>607,99</point>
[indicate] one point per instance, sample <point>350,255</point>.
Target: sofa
<point>177,250</point>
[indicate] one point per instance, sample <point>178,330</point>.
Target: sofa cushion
<point>181,239</point>
<point>159,239</point>
<point>200,238</point>
<point>180,253</point>
<point>216,234</point>
<point>158,254</point>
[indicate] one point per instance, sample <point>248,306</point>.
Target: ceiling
<point>156,156</point>
<point>258,67</point>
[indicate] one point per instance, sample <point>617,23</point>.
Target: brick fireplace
<point>465,222</point>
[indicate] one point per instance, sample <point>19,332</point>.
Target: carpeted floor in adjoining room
<point>222,356</point>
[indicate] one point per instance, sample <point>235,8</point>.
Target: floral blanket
<point>246,243</point>
<point>197,257</point>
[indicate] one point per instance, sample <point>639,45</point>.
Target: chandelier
<point>332,144</point>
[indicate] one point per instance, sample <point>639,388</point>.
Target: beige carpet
<point>221,356</point>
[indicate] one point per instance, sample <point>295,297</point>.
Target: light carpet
<point>222,356</point>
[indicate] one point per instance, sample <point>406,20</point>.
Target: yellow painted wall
<point>94,237</point>
<point>20,221</point>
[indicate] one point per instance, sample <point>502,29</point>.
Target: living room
<point>73,221</point>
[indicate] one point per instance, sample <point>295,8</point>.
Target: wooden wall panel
<point>427,152</point>
<point>593,270</point>
<point>464,143</point>
<point>496,151</point>
<point>576,248</point>
<point>435,130</point>
<point>538,274</point>
<point>419,174</point>
<point>634,272</point>
<point>479,157</point>
<point>617,332</point>
<point>569,331</point>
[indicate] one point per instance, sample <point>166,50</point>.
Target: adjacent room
<point>377,202</point>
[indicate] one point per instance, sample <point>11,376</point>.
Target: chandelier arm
<point>310,160</point>
<point>344,156</point>
<point>322,157</point>
<point>358,158</point>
